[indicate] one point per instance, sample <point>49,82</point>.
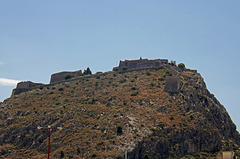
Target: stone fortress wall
<point>142,63</point>
<point>26,86</point>
<point>172,85</point>
<point>62,76</point>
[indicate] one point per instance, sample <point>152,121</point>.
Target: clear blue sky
<point>38,38</point>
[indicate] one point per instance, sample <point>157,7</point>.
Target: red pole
<point>49,131</point>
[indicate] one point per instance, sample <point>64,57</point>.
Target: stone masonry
<point>61,76</point>
<point>25,86</point>
<point>142,63</point>
<point>173,84</point>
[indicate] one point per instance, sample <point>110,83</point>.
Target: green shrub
<point>134,88</point>
<point>123,81</point>
<point>125,68</point>
<point>146,157</point>
<point>237,153</point>
<point>91,101</point>
<point>115,69</point>
<point>119,130</point>
<point>67,77</point>
<point>100,143</point>
<point>151,85</point>
<point>62,154</point>
<point>134,94</point>
<point>167,73</point>
<point>60,89</point>
<point>78,151</point>
<point>161,125</point>
<point>87,71</point>
<point>119,157</point>
<point>161,79</point>
<point>203,98</point>
<point>148,74</point>
<point>181,66</point>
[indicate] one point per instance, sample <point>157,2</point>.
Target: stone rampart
<point>63,76</point>
<point>25,86</point>
<point>142,63</point>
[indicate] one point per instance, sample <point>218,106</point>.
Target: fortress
<point>172,85</point>
<point>142,63</point>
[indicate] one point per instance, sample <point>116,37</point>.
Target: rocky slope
<point>115,115</point>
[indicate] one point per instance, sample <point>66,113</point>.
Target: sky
<point>42,37</point>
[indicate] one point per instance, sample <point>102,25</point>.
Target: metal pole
<point>49,134</point>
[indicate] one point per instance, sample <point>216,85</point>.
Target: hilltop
<point>142,109</point>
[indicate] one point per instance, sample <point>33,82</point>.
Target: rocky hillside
<point>115,115</point>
